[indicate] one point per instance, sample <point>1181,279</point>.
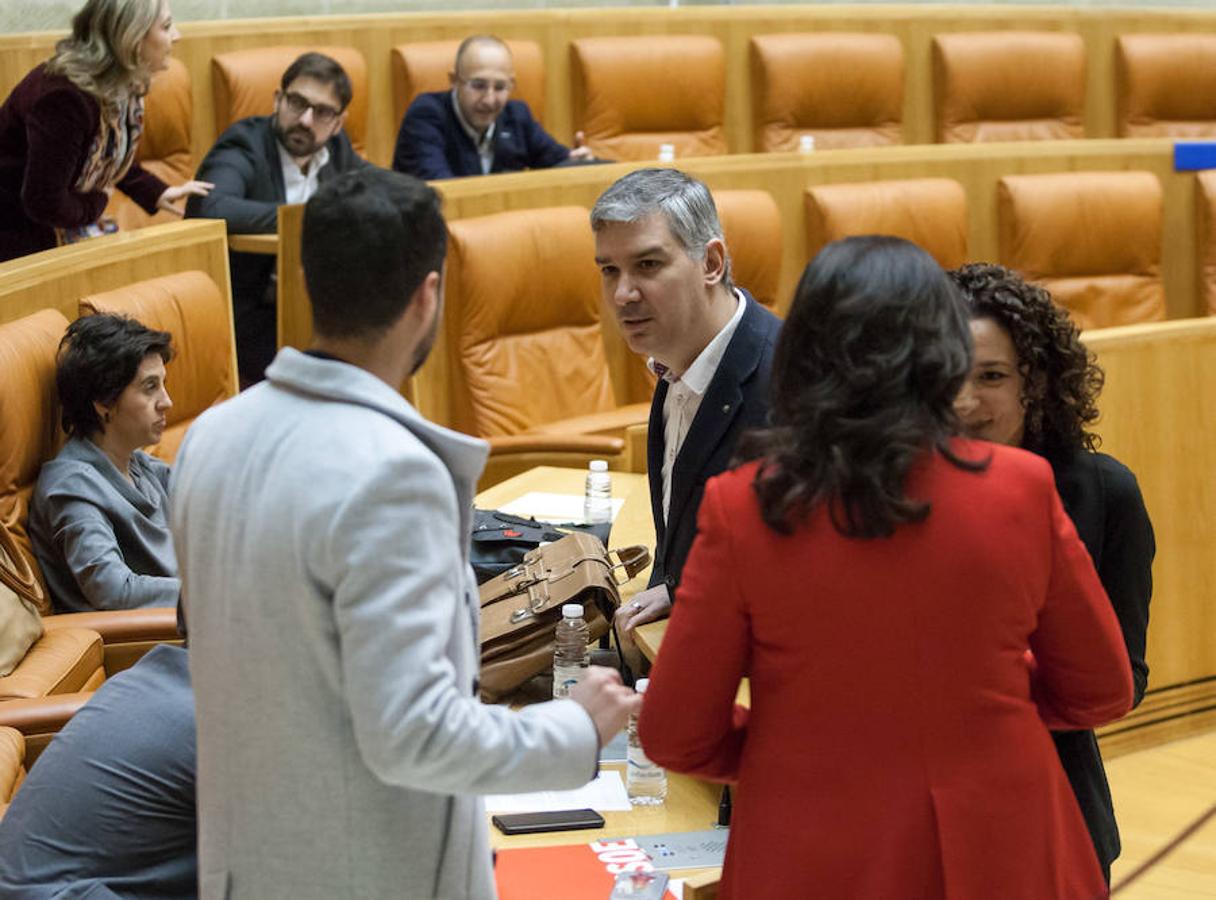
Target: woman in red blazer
<point>914,612</point>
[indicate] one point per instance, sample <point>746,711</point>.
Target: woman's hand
<point>178,191</point>
<point>646,606</point>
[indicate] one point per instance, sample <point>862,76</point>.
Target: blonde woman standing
<point>70,130</point>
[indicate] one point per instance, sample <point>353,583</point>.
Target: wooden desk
<point>265,244</point>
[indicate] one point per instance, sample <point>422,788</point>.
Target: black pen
<point>724,807</point>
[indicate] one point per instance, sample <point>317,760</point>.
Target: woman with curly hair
<point>913,610</point>
<point>70,130</point>
<point>1034,385</point>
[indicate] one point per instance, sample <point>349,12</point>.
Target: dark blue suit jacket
<point>737,399</point>
<point>432,144</point>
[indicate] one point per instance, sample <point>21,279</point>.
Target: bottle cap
<point>572,610</point>
<point>599,465</point>
<point>641,684</point>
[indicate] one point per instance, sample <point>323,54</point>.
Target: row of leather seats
<point>843,89</point>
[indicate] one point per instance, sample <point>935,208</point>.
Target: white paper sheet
<point>554,507</point>
<point>605,794</point>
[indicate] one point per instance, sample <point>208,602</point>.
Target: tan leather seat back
<point>1205,212</point>
<point>751,225</point>
<point>1166,85</point>
<point>29,424</point>
<point>523,316</point>
<point>425,66</point>
<point>243,83</point>
<point>190,306</point>
<point>1009,86</point>
<point>164,148</point>
<point>842,89</point>
<point>929,212</point>
<point>1093,239</point>
<point>633,94</point>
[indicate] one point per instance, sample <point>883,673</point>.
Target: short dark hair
<point>370,238</point>
<point>870,358</point>
<point>1061,379</point>
<point>324,69</point>
<point>98,357</point>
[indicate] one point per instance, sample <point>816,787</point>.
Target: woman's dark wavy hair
<point>1061,380</point>
<point>98,357</point>
<point>871,356</point>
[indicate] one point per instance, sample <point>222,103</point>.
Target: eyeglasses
<point>481,85</point>
<point>322,113</point>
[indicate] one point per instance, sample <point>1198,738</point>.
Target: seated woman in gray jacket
<point>99,515</point>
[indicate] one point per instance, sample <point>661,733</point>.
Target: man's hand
<point>581,150</point>
<point>646,606</point>
<point>607,701</point>
<point>177,192</point>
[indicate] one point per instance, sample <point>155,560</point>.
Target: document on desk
<point>605,794</point>
<point>549,507</point>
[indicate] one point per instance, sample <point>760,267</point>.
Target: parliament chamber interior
<point>1075,145</point>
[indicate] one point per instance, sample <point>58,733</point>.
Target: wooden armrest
<point>594,444</point>
<point>265,244</point>
<point>42,715</point>
<point>122,626</point>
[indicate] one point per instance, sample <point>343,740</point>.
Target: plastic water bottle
<point>667,152</point>
<point>597,498</point>
<point>570,654</point>
<point>645,782</point>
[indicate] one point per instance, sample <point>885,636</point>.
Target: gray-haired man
<point>666,275</point>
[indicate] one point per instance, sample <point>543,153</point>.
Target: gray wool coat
<point>322,528</point>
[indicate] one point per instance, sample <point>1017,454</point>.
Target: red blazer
<point>897,744</point>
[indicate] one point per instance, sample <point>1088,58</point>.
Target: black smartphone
<point>558,820</point>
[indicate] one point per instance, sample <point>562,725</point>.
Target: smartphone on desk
<point>557,820</point>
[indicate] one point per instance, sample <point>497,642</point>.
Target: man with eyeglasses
<point>476,128</point>
<point>262,162</point>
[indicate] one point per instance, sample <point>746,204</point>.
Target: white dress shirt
<point>300,186</point>
<point>685,392</point>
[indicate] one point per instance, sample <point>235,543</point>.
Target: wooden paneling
<point>375,36</point>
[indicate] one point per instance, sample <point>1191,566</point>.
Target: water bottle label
<point>564,678</point>
<point>641,768</point>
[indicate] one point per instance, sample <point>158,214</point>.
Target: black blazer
<point>737,399</point>
<point>245,167</point>
<point>1103,500</point>
<point>432,144</point>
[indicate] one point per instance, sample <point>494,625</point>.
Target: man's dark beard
<point>282,133</point>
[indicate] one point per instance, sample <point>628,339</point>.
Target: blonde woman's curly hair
<point>101,55</point>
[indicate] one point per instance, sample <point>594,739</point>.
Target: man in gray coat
<point>322,527</point>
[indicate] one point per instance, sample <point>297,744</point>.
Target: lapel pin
<point>725,407</point>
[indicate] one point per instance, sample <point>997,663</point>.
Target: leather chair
<point>929,212</point>
<point>164,148</point>
<point>1166,85</point>
<point>67,658</point>
<point>425,66</point>
<point>528,368</point>
<point>1093,239</point>
<point>190,306</point>
<point>632,94</point>
<point>844,90</point>
<point>243,83</point>
<point>1009,86</point>
<point>12,765</point>
<point>751,226</point>
<point>26,728</point>
<point>1205,206</point>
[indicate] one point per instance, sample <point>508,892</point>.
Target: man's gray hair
<point>684,201</point>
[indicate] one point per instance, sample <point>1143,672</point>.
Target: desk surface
<point>691,805</point>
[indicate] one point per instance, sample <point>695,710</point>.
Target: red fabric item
<point>47,127</point>
<point>893,746</point>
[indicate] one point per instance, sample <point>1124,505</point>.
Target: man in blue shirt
<point>476,128</point>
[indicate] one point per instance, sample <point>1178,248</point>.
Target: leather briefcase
<point>521,607</point>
